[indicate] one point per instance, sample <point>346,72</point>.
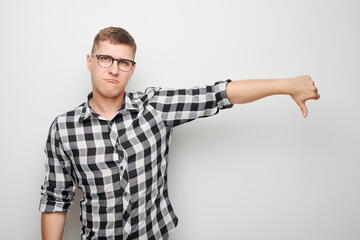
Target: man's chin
<point>112,94</point>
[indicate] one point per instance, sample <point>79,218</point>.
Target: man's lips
<point>112,80</point>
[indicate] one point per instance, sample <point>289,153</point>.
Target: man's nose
<point>114,69</point>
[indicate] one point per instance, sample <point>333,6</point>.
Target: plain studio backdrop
<point>256,171</point>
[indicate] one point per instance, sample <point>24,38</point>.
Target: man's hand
<point>301,89</point>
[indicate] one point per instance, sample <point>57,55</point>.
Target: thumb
<point>303,109</point>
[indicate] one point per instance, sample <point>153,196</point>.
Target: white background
<point>256,171</point>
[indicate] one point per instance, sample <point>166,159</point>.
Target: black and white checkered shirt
<point>121,164</point>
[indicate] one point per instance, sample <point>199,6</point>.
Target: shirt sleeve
<point>58,190</point>
<point>178,106</point>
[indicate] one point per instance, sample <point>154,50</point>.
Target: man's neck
<point>106,107</point>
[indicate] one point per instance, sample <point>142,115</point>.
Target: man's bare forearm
<point>300,88</point>
<point>52,225</point>
<point>245,91</point>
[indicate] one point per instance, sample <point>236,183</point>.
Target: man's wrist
<point>283,86</point>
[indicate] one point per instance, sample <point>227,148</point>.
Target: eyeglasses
<point>106,61</point>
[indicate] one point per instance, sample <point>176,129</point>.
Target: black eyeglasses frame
<point>112,61</point>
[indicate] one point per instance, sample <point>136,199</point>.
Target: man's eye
<point>124,62</point>
<point>105,59</point>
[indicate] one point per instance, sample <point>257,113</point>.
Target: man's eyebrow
<point>112,56</point>
<point>102,54</point>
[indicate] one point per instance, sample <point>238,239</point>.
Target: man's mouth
<point>112,80</point>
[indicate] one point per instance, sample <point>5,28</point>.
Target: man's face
<point>110,82</point>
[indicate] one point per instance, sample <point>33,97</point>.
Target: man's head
<point>115,35</point>
<point>108,62</point>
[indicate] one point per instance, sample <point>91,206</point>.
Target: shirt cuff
<point>51,206</point>
<point>220,94</point>
<point>52,202</point>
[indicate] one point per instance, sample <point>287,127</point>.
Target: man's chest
<point>135,141</point>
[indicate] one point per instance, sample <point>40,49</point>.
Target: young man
<point>115,146</point>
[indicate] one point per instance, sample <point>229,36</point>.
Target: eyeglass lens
<point>106,62</point>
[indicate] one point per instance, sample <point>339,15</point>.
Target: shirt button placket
<point>126,198</point>
<point>113,133</point>
<point>124,181</point>
<point>127,205</point>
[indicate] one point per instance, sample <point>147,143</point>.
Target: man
<point>115,146</point>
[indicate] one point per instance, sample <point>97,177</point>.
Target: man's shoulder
<point>137,100</point>
<point>147,93</point>
<point>72,115</point>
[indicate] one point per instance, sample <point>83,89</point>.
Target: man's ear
<point>88,61</point>
<point>132,70</point>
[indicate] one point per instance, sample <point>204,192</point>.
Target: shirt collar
<point>130,104</point>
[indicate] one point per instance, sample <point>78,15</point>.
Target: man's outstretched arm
<point>52,225</point>
<point>300,88</point>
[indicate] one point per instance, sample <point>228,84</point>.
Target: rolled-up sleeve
<point>58,189</point>
<point>178,106</point>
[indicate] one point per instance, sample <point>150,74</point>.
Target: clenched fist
<point>301,89</point>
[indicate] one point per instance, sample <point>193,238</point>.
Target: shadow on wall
<point>72,225</point>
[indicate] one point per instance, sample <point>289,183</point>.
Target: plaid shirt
<point>121,164</point>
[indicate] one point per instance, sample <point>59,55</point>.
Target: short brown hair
<point>115,35</point>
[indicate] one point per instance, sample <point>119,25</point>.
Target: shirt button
<point>121,168</point>
<point>126,194</point>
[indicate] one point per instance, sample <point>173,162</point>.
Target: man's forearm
<point>245,91</point>
<point>300,88</point>
<point>52,225</point>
